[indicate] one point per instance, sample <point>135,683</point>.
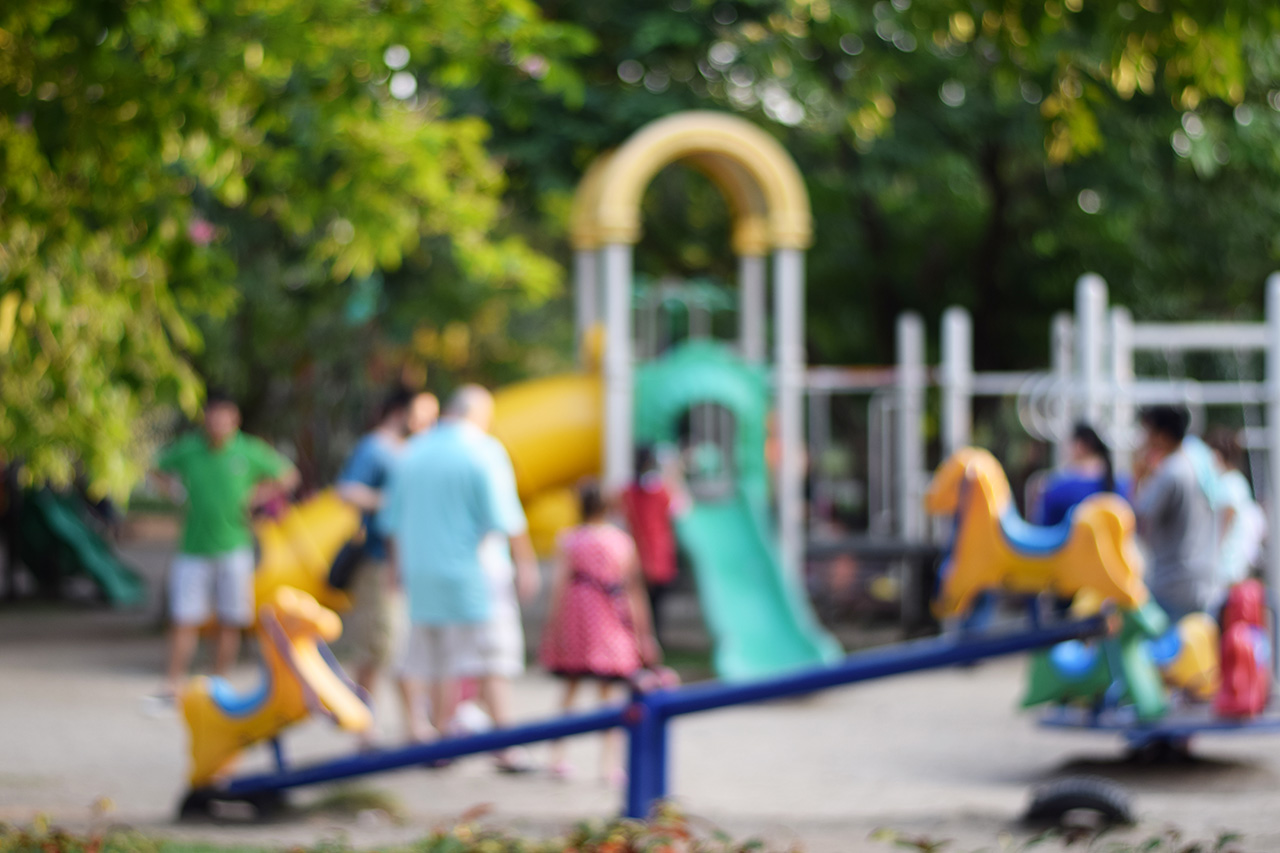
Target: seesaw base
<point>1164,740</point>
<point>203,804</point>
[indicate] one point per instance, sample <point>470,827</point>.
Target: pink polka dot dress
<point>593,635</point>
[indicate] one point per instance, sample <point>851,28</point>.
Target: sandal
<point>512,761</point>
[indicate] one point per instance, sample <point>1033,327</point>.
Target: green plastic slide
<point>759,621</point>
<point>758,615</point>
<point>54,540</point>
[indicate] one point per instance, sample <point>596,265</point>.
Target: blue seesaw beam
<point>647,714</point>
<point>648,782</point>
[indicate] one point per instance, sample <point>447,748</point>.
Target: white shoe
<point>469,719</point>
<point>161,704</point>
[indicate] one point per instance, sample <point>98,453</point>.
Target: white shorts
<point>439,652</point>
<point>199,584</point>
<point>506,633</point>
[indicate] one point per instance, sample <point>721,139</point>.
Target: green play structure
<point>757,614</point>
<point>1078,672</point>
<point>54,542</point>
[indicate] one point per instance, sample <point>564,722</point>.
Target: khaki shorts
<point>375,624</point>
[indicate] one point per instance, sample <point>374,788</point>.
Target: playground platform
<point>941,754</point>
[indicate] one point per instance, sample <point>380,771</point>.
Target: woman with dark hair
<point>1088,471</point>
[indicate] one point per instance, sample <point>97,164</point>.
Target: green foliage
<point>305,201</point>
<point>984,153</point>
<point>988,154</point>
<point>667,831</point>
<point>159,160</point>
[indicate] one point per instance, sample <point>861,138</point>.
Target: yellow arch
<point>747,204</point>
<point>583,232</point>
<point>763,187</point>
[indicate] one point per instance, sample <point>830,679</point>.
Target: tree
<point>155,157</point>
<point>982,153</point>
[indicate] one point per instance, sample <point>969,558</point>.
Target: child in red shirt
<point>650,503</point>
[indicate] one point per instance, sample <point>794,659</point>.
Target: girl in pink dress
<point>598,625</point>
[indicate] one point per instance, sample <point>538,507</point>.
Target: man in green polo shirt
<point>221,470</point>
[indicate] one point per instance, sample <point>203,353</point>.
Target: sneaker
<point>161,704</point>
<point>469,719</point>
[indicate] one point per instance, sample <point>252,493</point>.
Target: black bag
<point>345,562</point>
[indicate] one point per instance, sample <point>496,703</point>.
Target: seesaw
<point>1153,683</point>
<point>300,678</point>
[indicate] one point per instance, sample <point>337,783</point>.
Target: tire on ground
<point>1054,800</point>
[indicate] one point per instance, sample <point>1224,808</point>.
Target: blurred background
<point>306,202</point>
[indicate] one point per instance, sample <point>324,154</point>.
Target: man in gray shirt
<point>1174,518</point>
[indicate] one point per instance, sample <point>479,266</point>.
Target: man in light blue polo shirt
<point>442,502</point>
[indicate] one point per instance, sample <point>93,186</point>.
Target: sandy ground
<point>941,754</point>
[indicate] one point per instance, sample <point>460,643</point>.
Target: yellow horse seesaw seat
<point>301,677</point>
<point>994,548</point>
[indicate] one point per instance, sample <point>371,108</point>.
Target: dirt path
<point>941,753</point>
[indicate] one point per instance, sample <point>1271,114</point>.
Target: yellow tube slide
<point>552,428</point>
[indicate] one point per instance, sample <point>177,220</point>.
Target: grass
<point>669,831</point>
<point>1086,840</point>
<point>349,801</point>
<point>691,664</point>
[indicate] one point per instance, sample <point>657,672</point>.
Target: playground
<point>919,754</point>
<point>792,317</point>
<point>940,754</point>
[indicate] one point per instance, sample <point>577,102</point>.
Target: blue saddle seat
<point>1073,660</point>
<point>1031,539</point>
<point>1165,649</point>
<point>235,703</point>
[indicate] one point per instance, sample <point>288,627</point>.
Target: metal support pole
<point>1272,492</point>
<point>1061,358</point>
<point>618,394</point>
<point>277,752</point>
<point>586,301</point>
<point>957,379</point>
<point>646,757</point>
<point>789,361</point>
<point>819,447</point>
<point>752,271</point>
<point>1122,441</point>
<point>1091,319</point>
<point>910,456</point>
